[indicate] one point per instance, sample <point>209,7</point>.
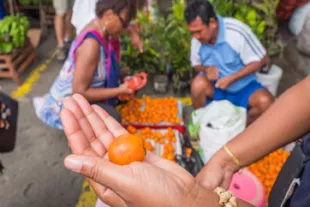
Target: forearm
<point>99,94</point>
<point>206,198</point>
<point>284,122</point>
<point>248,70</point>
<point>200,68</point>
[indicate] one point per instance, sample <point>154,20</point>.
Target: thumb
<point>204,181</point>
<point>100,170</point>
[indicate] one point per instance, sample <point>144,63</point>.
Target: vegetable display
<point>151,111</point>
<point>268,169</point>
<point>13,33</point>
<point>162,142</point>
<point>34,2</point>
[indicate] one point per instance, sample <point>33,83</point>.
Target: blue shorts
<point>239,98</point>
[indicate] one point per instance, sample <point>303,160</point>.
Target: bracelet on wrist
<point>227,199</point>
<point>234,158</point>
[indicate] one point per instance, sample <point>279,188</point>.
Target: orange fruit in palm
<point>127,149</point>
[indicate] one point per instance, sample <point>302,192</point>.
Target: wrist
<point>119,91</point>
<point>226,162</point>
<point>201,197</point>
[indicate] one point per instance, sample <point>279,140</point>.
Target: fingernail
<point>73,163</point>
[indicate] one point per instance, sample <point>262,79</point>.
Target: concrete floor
<point>34,174</point>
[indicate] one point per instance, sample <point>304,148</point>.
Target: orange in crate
<point>268,169</point>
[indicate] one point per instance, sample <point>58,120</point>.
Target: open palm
<point>154,182</point>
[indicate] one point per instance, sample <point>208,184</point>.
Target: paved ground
<point>34,175</point>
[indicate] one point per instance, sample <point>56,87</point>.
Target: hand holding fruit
<point>90,132</point>
<point>124,89</point>
<point>134,83</point>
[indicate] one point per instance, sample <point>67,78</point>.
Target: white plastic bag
<point>303,39</point>
<point>298,19</point>
<point>220,121</point>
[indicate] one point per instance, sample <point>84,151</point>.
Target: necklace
<point>102,29</point>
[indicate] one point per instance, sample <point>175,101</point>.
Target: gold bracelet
<point>235,159</point>
<point>227,199</point>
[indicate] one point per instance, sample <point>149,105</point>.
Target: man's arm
<point>195,58</point>
<point>245,43</point>
<point>251,68</point>
<point>200,68</point>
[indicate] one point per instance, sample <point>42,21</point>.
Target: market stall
<point>16,49</point>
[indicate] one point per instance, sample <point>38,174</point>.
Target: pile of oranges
<point>268,169</point>
<point>149,110</point>
<point>166,140</point>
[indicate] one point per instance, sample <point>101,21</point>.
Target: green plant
<point>178,38</point>
<point>223,7</point>
<point>166,42</point>
<point>252,18</point>
<point>268,10</point>
<point>150,60</point>
<point>34,2</point>
<point>259,15</point>
<point>13,32</point>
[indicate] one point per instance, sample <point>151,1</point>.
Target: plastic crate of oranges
<point>164,142</point>
<point>268,168</point>
<point>148,111</point>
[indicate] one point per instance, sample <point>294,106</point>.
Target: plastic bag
<point>219,122</point>
<point>303,39</point>
<point>298,19</point>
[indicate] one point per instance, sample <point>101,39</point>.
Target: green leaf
<point>6,47</point>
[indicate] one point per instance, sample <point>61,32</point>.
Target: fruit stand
<point>16,50</point>
<point>160,122</point>
<point>45,8</point>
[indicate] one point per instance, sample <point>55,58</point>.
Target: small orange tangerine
<point>127,149</point>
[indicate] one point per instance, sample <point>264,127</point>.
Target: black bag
<point>191,162</point>
<point>8,123</point>
<point>288,179</point>
<point>1,168</point>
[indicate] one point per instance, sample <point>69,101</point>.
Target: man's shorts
<point>239,98</point>
<point>62,6</point>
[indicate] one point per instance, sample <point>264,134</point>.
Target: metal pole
<point>11,7</point>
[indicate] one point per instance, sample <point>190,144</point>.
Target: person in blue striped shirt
<point>227,55</point>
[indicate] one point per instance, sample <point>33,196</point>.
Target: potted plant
<point>166,49</point>
<point>13,33</point>
<point>153,59</point>
<point>179,37</point>
<point>259,15</point>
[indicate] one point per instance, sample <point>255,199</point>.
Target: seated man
<point>227,55</point>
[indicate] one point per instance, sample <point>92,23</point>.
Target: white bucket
<point>272,79</point>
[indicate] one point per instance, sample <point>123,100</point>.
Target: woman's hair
<point>117,6</point>
<point>199,8</point>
